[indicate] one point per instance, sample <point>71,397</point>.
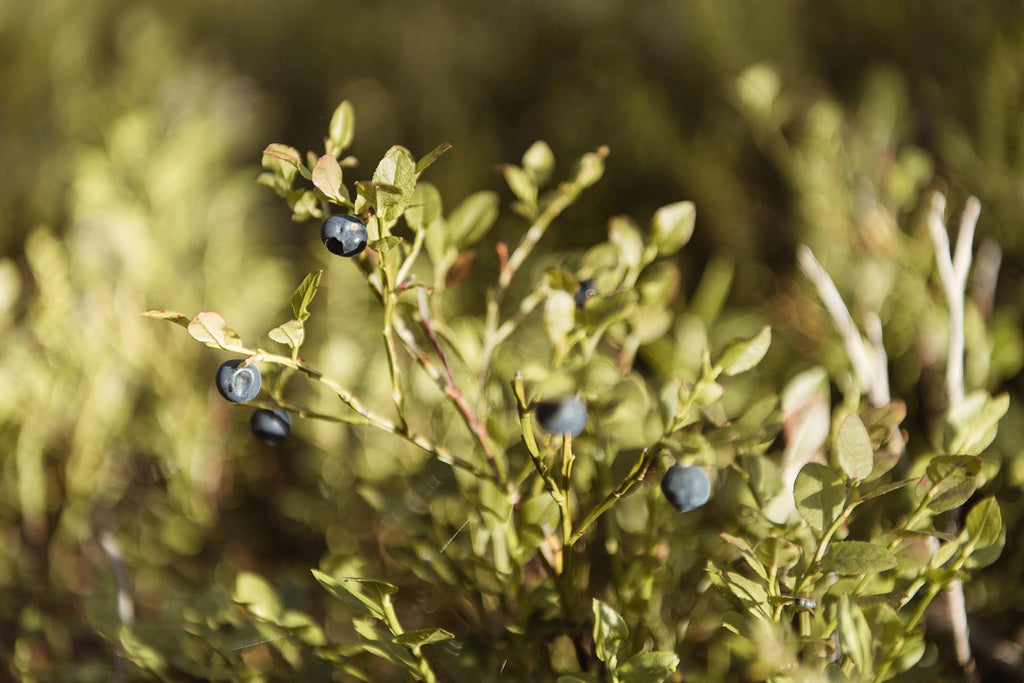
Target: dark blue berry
<point>344,235</point>
<point>565,416</point>
<point>687,488</point>
<point>238,384</point>
<point>271,426</point>
<point>585,291</point>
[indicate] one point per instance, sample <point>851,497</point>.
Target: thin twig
<point>863,366</point>
<point>953,269</point>
<point>451,388</point>
<point>125,605</point>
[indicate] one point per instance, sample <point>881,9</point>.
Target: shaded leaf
<point>424,207</point>
<point>951,479</point>
<point>472,218</point>
<point>648,667</point>
<point>609,630</point>
<point>820,494</point>
<point>855,635</point>
<point>856,557</point>
<point>423,636</point>
<point>984,523</point>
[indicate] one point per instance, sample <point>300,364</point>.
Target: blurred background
<point>130,138</point>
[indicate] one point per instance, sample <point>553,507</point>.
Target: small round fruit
<point>271,426</point>
<point>565,416</point>
<point>687,488</point>
<point>344,235</point>
<point>238,384</point>
<point>585,291</point>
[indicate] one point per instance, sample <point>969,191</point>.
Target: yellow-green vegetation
<point>782,261</point>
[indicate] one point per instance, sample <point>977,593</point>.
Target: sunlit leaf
<point>741,355</point>
<point>853,446</point>
<point>672,227</point>
<point>304,293</point>
<point>820,494</point>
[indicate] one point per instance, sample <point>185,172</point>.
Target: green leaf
<point>539,161</point>
<point>778,553</point>
<point>579,677</point>
<point>609,631</point>
<point>366,596</point>
<point>590,168</point>
<point>209,327</point>
<point>521,183</point>
<point>602,311</point>
<point>385,244</point>
<point>304,627</point>
<point>304,293</point>
<point>856,557</point>
<point>741,355</point>
<point>327,177</point>
<point>395,180</point>
<point>976,425</point>
<point>423,636</point>
<point>855,635</point>
<point>258,596</point>
<point>424,163</point>
<point>853,446</point>
<point>951,479</point>
<point>342,129</point>
<point>984,523</point>
<point>561,280</point>
<point>380,643</point>
<point>292,333</point>
<point>648,667</point>
<point>283,160</point>
<point>424,207</point>
<point>672,227</point>
<point>472,218</point>
<point>172,316</point>
<point>559,317</point>
<point>627,240</point>
<point>820,494</point>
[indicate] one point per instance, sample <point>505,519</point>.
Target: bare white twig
<point>870,369</point>
<point>985,274</point>
<point>125,606</point>
<point>953,269</point>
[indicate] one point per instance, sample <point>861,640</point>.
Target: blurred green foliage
<point>131,140</point>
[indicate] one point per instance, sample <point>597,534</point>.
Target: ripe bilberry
<point>238,384</point>
<point>271,426</point>
<point>344,235</point>
<point>565,416</point>
<point>687,488</point>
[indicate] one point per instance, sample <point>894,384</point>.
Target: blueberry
<point>686,488</point>
<point>271,426</point>
<point>238,384</point>
<point>344,235</point>
<point>585,291</point>
<point>565,416</point>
